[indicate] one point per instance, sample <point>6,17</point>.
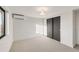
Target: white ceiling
<point>32,10</point>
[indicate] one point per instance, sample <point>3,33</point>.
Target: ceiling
<point>32,10</point>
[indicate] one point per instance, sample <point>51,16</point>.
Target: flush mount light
<point>42,10</point>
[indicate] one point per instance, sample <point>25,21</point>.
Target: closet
<point>53,28</point>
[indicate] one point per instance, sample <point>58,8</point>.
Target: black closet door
<point>49,27</point>
<point>56,34</point>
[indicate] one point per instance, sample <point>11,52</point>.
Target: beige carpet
<point>40,44</point>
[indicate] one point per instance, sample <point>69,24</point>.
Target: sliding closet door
<point>53,28</point>
<point>56,34</point>
<point>49,28</point>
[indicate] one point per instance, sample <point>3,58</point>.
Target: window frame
<point>4,22</point>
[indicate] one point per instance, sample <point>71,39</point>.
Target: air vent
<point>18,16</point>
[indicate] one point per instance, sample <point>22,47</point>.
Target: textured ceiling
<point>32,10</point>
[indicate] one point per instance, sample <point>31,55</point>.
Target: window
<point>2,22</point>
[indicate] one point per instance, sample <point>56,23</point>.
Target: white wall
<point>74,28</point>
<point>6,42</point>
<point>45,27</point>
<point>27,28</point>
<point>77,25</point>
<point>67,28</point>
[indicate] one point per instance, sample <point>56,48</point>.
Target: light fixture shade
<point>42,13</point>
<point>42,10</point>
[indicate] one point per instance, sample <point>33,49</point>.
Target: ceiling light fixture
<point>42,10</point>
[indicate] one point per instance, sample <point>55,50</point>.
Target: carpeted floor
<point>40,44</point>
